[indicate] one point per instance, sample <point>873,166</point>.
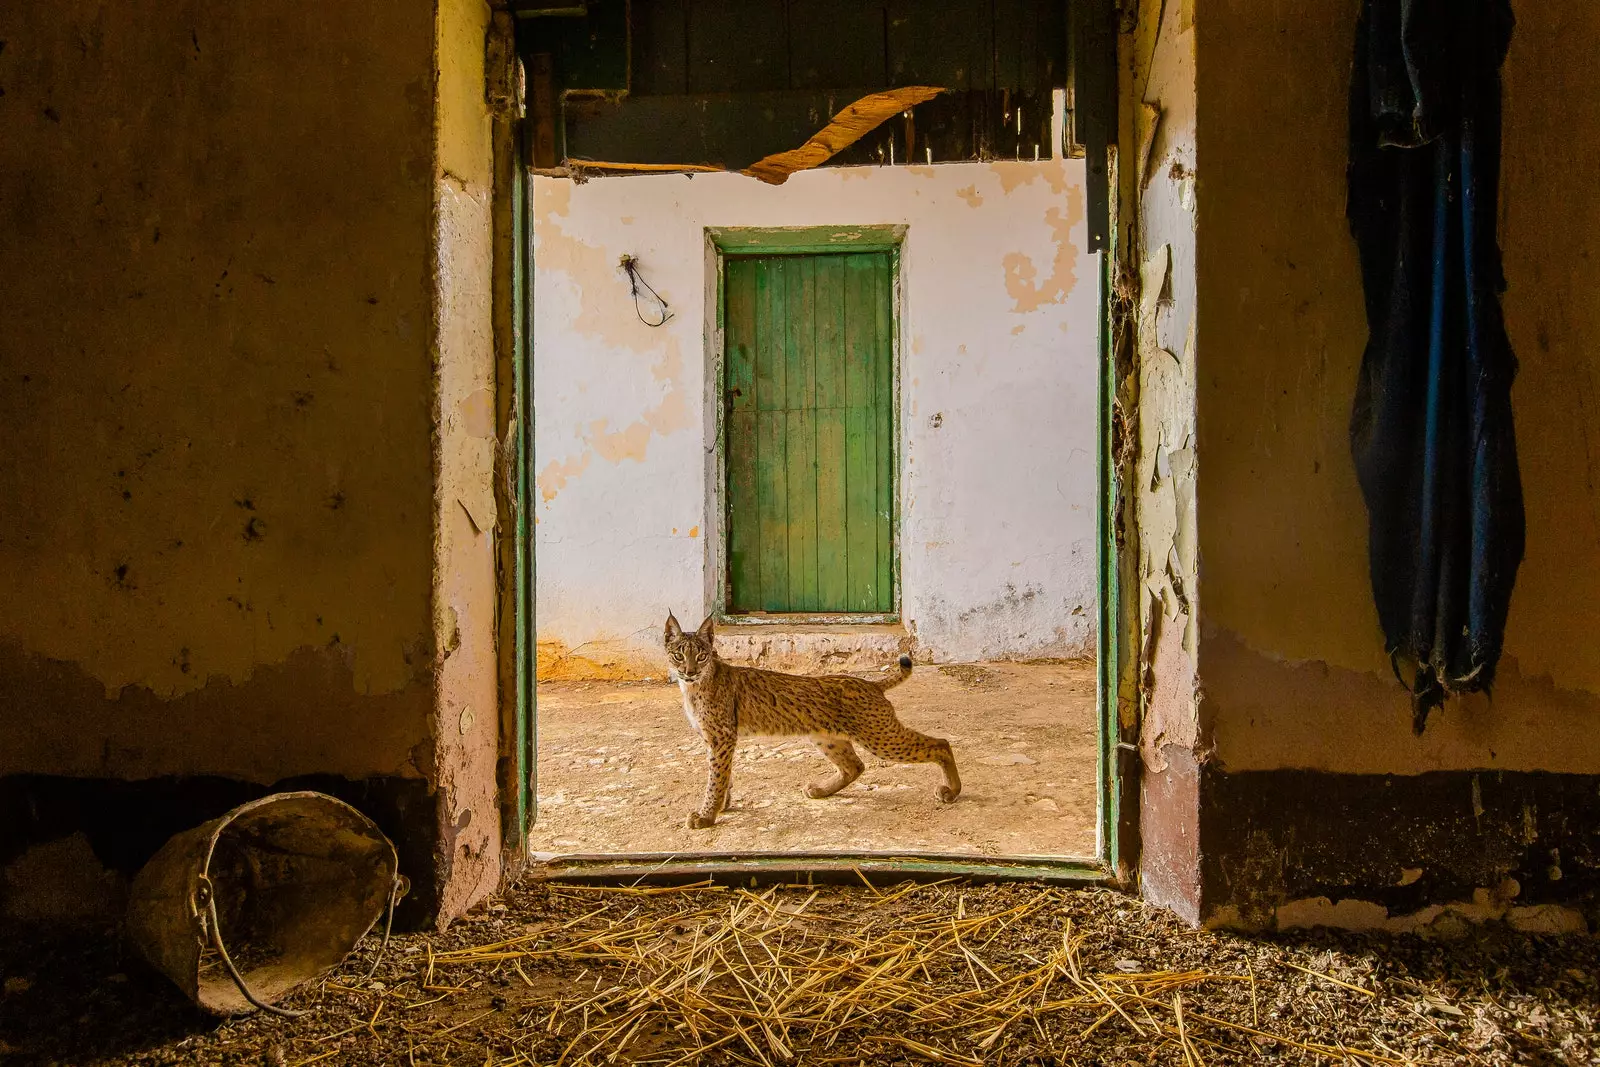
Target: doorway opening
<point>855,417</point>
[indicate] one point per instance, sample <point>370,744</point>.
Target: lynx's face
<point>689,654</point>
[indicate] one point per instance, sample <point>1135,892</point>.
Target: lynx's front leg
<point>719,773</point>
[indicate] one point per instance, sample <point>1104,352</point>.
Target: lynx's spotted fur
<point>725,703</point>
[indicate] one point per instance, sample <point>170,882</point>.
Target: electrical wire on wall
<point>635,280</point>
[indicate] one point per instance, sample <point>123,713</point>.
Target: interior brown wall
<point>1293,666</point>
<point>1315,802</point>
<point>216,491</point>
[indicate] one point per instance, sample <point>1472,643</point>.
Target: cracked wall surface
<point>998,391</point>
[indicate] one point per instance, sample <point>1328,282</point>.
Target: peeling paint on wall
<point>1015,175</point>
<point>555,475</point>
<point>1165,484</point>
<point>1165,333</point>
<point>1020,271</point>
<point>1155,436</point>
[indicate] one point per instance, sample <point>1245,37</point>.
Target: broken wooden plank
<point>847,127</point>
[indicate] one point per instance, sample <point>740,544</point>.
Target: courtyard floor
<point>620,769</point>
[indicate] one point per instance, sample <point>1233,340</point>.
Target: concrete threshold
<point>814,648</point>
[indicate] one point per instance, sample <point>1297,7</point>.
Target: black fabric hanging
<point>1431,431</point>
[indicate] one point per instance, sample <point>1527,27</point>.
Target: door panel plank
<point>744,534</point>
<point>801,431</point>
<point>861,433</point>
<point>833,579</point>
<point>771,383</point>
<point>773,505</point>
<point>771,453</point>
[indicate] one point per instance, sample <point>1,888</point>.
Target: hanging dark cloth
<point>1431,431</point>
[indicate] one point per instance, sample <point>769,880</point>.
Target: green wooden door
<point>810,421</point>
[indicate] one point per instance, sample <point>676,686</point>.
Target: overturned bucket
<point>239,911</point>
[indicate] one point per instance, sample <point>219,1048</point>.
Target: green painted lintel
<point>804,240</point>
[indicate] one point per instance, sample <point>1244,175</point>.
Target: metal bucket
<point>240,911</point>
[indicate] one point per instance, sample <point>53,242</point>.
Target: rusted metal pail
<point>239,911</point>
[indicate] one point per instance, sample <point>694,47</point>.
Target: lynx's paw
<point>698,821</point>
<point>947,795</point>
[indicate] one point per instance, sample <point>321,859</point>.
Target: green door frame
<point>1114,768</point>
<point>723,243</point>
<point>524,744</point>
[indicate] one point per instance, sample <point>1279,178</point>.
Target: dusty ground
<point>620,769</point>
<point>585,976</point>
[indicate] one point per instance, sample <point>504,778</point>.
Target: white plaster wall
<point>998,378</point>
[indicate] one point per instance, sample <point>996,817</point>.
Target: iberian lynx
<point>725,703</point>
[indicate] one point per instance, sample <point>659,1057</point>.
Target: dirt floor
<point>948,973</point>
<point>620,769</point>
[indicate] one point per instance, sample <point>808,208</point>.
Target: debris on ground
<point>948,973</point>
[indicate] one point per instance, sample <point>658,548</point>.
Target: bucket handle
<point>205,897</point>
<point>401,886</point>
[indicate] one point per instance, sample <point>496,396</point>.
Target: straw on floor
<point>765,979</point>
<point>1003,975</point>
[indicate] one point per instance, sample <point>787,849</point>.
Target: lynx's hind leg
<point>842,754</point>
<point>898,743</point>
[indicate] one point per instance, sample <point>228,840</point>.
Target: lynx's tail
<point>899,676</point>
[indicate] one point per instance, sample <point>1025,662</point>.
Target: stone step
<point>813,649</point>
